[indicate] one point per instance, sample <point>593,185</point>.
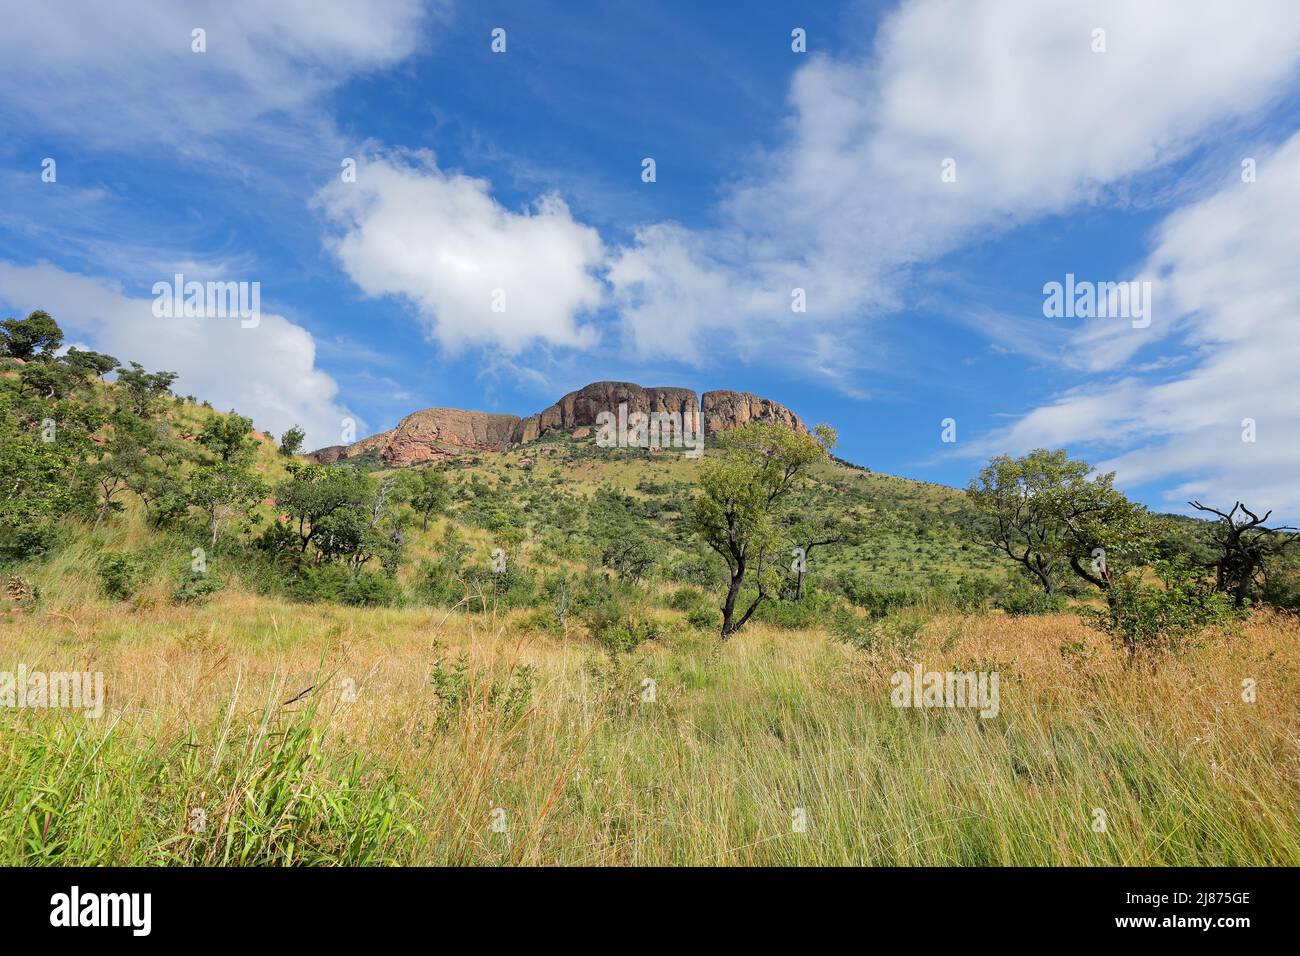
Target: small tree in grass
<point>291,441</point>
<point>743,492</point>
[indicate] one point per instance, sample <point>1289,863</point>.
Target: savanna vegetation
<point>570,654</point>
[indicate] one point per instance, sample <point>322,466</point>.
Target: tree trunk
<point>729,606</point>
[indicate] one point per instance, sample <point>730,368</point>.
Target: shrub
<point>24,541</point>
<point>196,588</point>
<point>1144,617</point>
<point>686,599</point>
<point>894,634</point>
<point>120,575</point>
<point>618,628</point>
<point>315,584</point>
<point>458,687</point>
<point>544,618</point>
<point>876,601</point>
<point>1017,600</point>
<point>814,610</point>
<point>373,589</point>
<point>704,618</point>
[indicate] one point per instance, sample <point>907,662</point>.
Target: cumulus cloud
<point>267,373</point>
<point>1230,297</point>
<point>479,273</point>
<point>1013,92</point>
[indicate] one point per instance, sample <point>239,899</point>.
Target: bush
<point>24,542</point>
<point>1018,600</point>
<point>876,601</point>
<point>458,687</point>
<point>814,610</point>
<point>119,575</point>
<point>544,618</point>
<point>618,628</point>
<point>320,583</point>
<point>686,599</point>
<point>373,589</point>
<point>195,588</point>
<point>705,618</point>
<point>1281,591</point>
<point>895,634</point>
<point>1143,617</point>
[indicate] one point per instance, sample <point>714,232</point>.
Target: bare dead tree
<point>1246,548</point>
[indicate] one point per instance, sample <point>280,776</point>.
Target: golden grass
<point>739,738</point>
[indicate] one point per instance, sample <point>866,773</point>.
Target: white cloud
<point>439,239</point>
<point>123,72</point>
<point>267,373</point>
<point>1036,121</point>
<point>1228,267</point>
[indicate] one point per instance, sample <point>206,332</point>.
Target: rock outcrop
<point>580,408</point>
<point>443,432</point>
<point>428,434</point>
<point>724,410</point>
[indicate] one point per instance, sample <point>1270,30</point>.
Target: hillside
<point>485,655</point>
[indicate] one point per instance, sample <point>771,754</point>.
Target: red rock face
<point>429,434</point>
<point>580,408</point>
<point>437,433</point>
<point>724,410</point>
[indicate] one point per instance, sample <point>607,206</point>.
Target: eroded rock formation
<point>441,432</point>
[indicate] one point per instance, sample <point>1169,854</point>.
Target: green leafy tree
<point>315,494</point>
<point>743,487</point>
<point>224,491</point>
<point>37,336</point>
<point>806,534</point>
<point>1047,512</point>
<point>228,437</point>
<point>291,441</point>
<point>90,364</point>
<point>48,380</point>
<point>139,391</point>
<point>43,473</point>
<point>431,495</point>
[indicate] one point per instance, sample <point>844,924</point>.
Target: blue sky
<point>774,170</point>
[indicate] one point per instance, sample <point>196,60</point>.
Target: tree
<point>1245,549</point>
<point>138,391</point>
<point>37,336</point>
<point>291,441</point>
<point>89,363</point>
<point>227,436</point>
<point>47,379</point>
<point>742,492</point>
<point>431,494</point>
<point>805,535</point>
<point>315,494</point>
<point>114,472</point>
<point>222,491</point>
<point>42,481</point>
<point>1047,512</point>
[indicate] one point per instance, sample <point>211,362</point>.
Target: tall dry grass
<point>459,721</point>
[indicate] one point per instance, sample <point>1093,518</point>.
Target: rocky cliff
<point>724,410</point>
<point>580,408</point>
<point>440,432</point>
<point>429,434</point>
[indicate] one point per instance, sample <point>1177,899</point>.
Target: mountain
<point>441,432</point>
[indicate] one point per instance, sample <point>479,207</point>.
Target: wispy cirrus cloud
<point>1229,296</point>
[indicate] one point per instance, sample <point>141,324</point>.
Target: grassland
<point>424,726</point>
<point>247,728</point>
